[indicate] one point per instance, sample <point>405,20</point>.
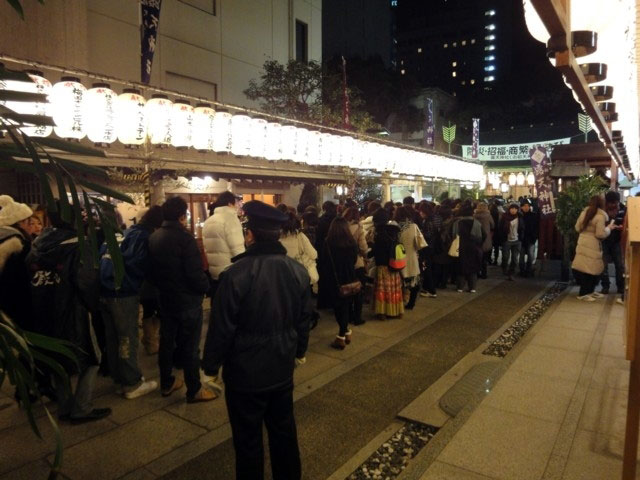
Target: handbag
<point>454,249</point>
<point>347,289</point>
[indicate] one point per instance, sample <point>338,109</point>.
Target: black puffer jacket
<point>259,320</point>
<point>176,267</point>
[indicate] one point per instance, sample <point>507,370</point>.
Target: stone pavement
<point>557,412</point>
<point>150,436</point>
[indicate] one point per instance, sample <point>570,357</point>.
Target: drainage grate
<point>479,378</point>
<point>389,461</point>
<point>512,335</point>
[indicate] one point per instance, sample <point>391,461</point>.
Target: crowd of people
<point>268,271</point>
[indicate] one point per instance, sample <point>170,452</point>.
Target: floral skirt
<point>388,295</point>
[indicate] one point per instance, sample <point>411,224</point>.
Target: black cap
<point>263,216</point>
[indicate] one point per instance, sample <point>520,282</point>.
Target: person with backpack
<point>388,252</point>
<point>120,307</point>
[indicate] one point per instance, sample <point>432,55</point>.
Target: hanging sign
<point>513,152</point>
<point>542,171</point>
<point>475,138</point>
<point>429,126</point>
<point>148,36</point>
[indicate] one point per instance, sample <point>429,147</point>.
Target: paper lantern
<point>313,147</point>
<point>534,23</point>
<point>258,137</point>
<point>531,179</point>
<point>326,146</point>
<point>357,154</point>
<point>520,179</point>
<point>483,182</point>
<point>100,114</point>
<point>345,151</point>
<point>222,131</point>
<point>67,108</point>
<point>288,142</point>
<point>512,179</point>
<point>203,125</point>
<point>181,124</point>
<point>158,112</point>
<point>240,134</point>
<point>131,121</point>
<point>302,145</point>
<point>39,84</point>
<point>504,188</point>
<point>272,149</point>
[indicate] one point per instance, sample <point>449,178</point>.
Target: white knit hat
<point>12,212</point>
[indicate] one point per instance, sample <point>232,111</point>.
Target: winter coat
<point>359,236</point>
<point>135,255</point>
<point>324,294</point>
<point>176,267</point>
<point>588,257</point>
<point>472,238</point>
<point>413,240</point>
<point>441,254</point>
<point>300,249</point>
<point>530,233</point>
<point>15,294</point>
<point>486,220</point>
<point>260,320</point>
<point>324,222</point>
<point>65,290</point>
<point>340,271</point>
<point>222,239</point>
<point>504,226</point>
<point>367,227</point>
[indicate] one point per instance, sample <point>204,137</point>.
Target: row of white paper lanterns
<point>495,180</point>
<point>103,117</point>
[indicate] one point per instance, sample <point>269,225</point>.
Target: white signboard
<point>513,152</point>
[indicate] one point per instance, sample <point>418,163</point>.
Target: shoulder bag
<point>347,289</point>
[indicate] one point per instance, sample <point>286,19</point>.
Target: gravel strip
<point>512,335</point>
<point>388,461</point>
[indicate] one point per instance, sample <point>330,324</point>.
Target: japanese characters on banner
<point>475,140</point>
<point>542,171</point>
<point>507,153</point>
<point>429,126</point>
<point>148,36</point>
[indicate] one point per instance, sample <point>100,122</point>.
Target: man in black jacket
<point>260,332</point>
<point>529,238</point>
<point>611,247</point>
<point>176,270</point>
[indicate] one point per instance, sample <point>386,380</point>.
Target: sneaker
<point>586,298</point>
<point>597,295</point>
<point>212,384</point>
<point>460,291</point>
<point>472,291</point>
<point>144,388</point>
<point>203,395</point>
<point>339,343</point>
<point>620,301</point>
<point>177,385</point>
<point>347,337</point>
<point>424,294</point>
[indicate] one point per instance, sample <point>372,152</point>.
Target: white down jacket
<point>222,239</point>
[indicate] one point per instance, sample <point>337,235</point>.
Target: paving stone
<point>316,364</point>
<point>605,411</point>
<point>497,442</point>
<point>139,474</point>
<point>573,320</point>
<point>611,372</point>
<point>589,309</point>
<point>564,338</point>
<point>533,395</point>
<point>129,447</point>
<point>612,346</point>
<point>444,471</point>
<point>552,362</point>
<point>360,343</point>
<point>124,410</point>
<point>31,471</point>
<point>209,415</point>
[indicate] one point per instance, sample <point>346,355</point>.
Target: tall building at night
<point>460,46</point>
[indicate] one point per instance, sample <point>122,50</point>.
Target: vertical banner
<point>346,120</point>
<point>150,16</point>
<point>542,171</point>
<point>429,126</point>
<point>475,141</point>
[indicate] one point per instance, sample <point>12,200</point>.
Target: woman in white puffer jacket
<point>222,236</point>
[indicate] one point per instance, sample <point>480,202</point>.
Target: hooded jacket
<point>222,239</point>
<point>260,320</point>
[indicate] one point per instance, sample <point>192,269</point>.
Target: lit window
<point>453,74</point>
<point>402,72</point>
<point>473,40</point>
<point>490,78</point>
<point>454,64</point>
<point>490,27</point>
<point>419,49</point>
<point>490,47</point>
<point>490,37</point>
<point>455,44</point>
<point>464,42</point>
<point>489,68</point>
<point>445,45</point>
<point>473,81</point>
<point>489,58</point>
<point>490,13</point>
<point>401,62</point>
<point>464,82</point>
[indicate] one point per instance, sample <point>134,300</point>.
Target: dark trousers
<point>179,342</point>
<point>612,253</point>
<point>342,308</point>
<point>586,281</point>
<point>510,256</point>
<point>355,308</point>
<point>486,259</point>
<point>212,290</point>
<point>413,296</point>
<point>470,279</point>
<point>247,412</point>
<point>428,273</point>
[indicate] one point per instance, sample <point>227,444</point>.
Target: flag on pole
<point>346,121</point>
<point>475,138</point>
<point>429,126</point>
<point>150,16</point>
